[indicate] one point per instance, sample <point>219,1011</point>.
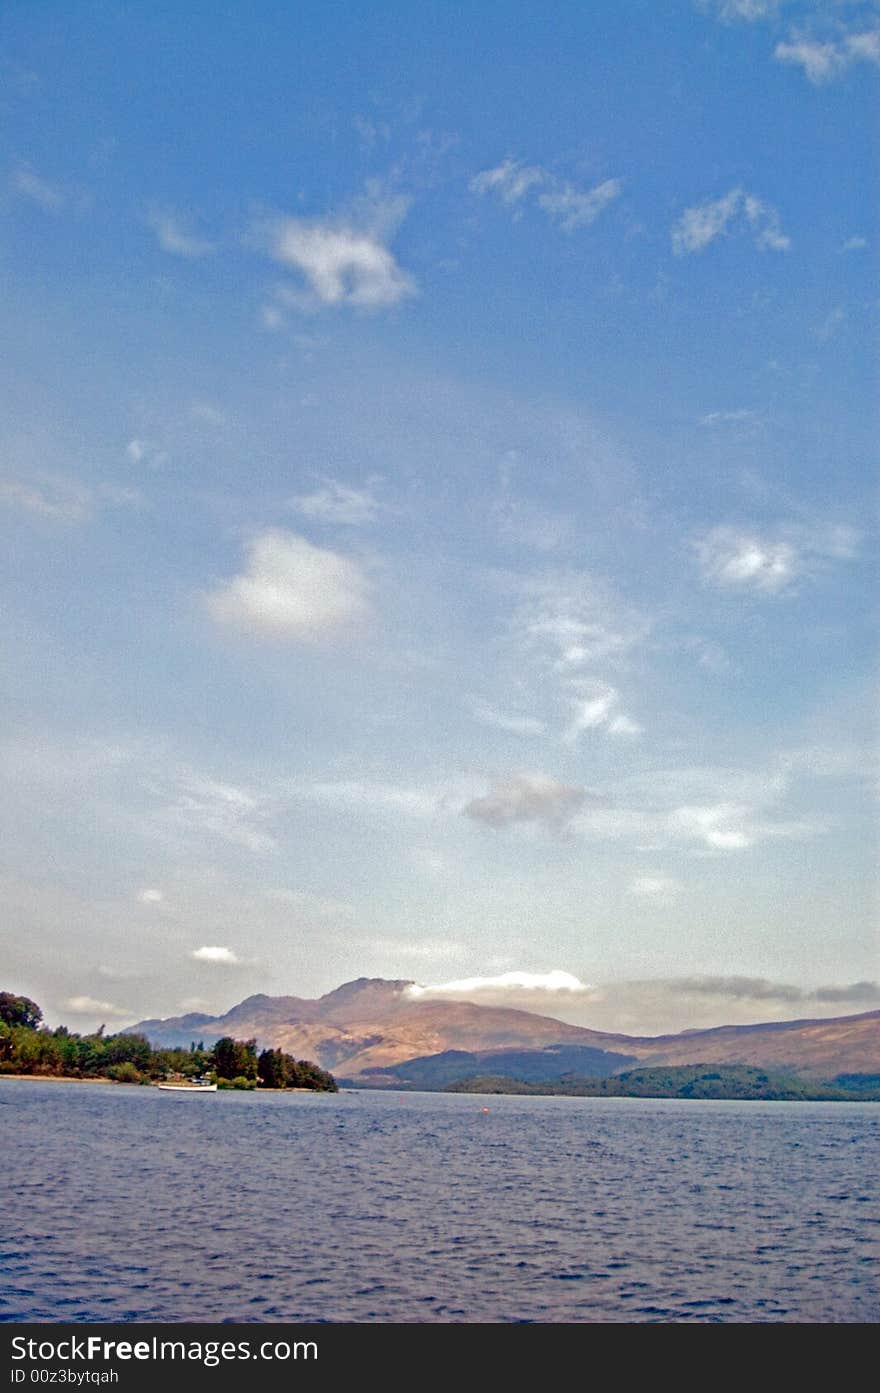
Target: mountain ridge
<point>369,1028</point>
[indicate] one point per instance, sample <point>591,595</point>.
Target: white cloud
<point>567,205</point>
<point>595,707</point>
<point>723,827</point>
<point>765,225</point>
<point>489,715</point>
<point>527,798</point>
<point>146,452</point>
<point>699,226</point>
<point>823,61</point>
<point>854,244</point>
<point>592,711</point>
<point>29,185</point>
<point>510,180</point>
<point>573,208</point>
<point>731,558</point>
<point>506,982</point>
<point>337,503</point>
<point>89,1006</point>
<point>291,590</point>
<point>705,809</point>
<point>731,827</point>
<point>175,237</point>
<point>342,262</point>
<point>150,896</point>
<point>220,957</point>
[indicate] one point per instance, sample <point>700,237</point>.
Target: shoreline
<point>123,1083</point>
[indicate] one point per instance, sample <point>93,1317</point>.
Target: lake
<point>125,1203</point>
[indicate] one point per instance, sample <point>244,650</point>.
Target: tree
<point>271,1070</point>
<point>19,1010</point>
<point>279,1070</point>
<point>235,1058</point>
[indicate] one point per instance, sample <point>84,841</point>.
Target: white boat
<point>188,1087</point>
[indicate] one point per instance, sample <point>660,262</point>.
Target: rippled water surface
<point>130,1204</point>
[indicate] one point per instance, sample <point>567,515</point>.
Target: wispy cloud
<point>307,903</point>
<point>740,559</point>
<point>489,715</point>
<point>174,235</point>
<point>63,500</point>
<point>665,1005</point>
<point>337,503</point>
<point>576,618</point>
<point>738,417</point>
<point>822,61</point>
<point>596,706</point>
<point>743,559</point>
<point>146,452</point>
<point>535,798</point>
<point>738,210</point>
<point>90,1006</point>
<point>567,205</point>
<point>656,889</point>
<point>150,896</point>
<point>359,795</point>
<point>26,183</point>
<point>572,207</point>
<point>292,591</point>
<point>196,806</point>
<point>730,11</point>
<point>510,180</point>
<point>854,244</point>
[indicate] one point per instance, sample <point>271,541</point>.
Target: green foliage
<point>279,1070</point>
<point>19,1010</point>
<point>34,1049</point>
<point>235,1058</point>
<point>723,1081</point>
<point>124,1072</point>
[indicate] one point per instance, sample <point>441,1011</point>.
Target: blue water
<point>125,1203</point>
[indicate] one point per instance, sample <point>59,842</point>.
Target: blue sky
<point>437,485</point>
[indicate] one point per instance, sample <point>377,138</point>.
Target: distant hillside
<point>372,1032</point>
<point>438,1070</point>
<point>738,1082</point>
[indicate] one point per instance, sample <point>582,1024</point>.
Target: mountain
<point>372,1032</point>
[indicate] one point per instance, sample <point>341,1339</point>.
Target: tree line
<point>29,1047</point>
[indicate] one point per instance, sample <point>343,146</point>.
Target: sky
<point>438,505</point>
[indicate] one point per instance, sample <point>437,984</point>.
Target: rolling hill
<point>372,1033</point>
